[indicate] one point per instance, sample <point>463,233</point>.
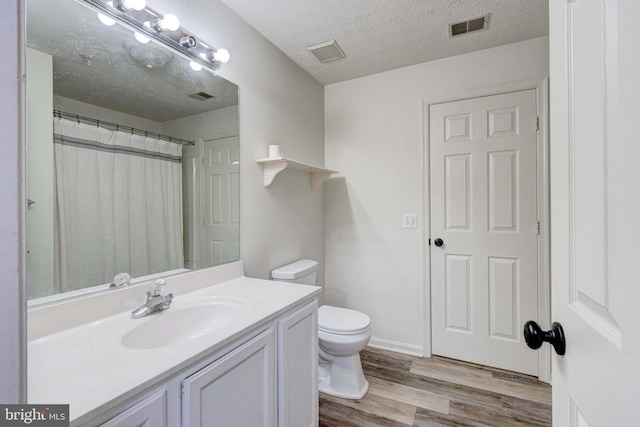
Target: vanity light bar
<point>145,23</point>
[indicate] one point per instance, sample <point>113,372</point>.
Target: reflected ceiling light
<point>169,22</point>
<point>195,66</point>
<point>148,55</point>
<point>141,37</point>
<point>106,20</point>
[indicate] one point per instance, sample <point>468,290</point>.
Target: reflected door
<point>483,210</point>
<point>221,222</point>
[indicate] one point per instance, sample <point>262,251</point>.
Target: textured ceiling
<point>116,73</point>
<point>381,35</point>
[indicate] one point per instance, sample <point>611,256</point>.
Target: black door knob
<point>535,336</point>
<point>438,242</point>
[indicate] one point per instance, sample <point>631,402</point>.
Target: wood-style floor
<point>413,391</point>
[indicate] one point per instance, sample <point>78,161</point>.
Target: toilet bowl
<point>342,334</point>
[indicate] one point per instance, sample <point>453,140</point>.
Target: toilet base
<point>343,378</point>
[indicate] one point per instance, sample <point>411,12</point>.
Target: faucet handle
<point>157,287</point>
<point>120,279</point>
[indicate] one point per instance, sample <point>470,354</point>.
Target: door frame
<point>541,86</point>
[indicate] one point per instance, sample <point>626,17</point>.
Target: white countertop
<point>87,367</point>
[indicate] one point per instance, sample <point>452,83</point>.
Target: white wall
<point>223,120</point>
<point>278,104</point>
<point>374,137</point>
<point>12,206</point>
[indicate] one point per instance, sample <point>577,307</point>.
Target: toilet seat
<point>342,321</point>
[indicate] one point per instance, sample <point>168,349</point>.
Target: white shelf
<point>273,166</point>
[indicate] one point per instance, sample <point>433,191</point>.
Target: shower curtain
<point>118,205</point>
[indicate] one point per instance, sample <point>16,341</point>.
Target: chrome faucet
<point>155,300</point>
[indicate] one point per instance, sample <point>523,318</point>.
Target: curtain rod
<point>60,114</point>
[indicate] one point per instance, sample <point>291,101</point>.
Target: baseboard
<point>400,347</point>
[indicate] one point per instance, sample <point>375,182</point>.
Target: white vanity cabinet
<point>266,378</point>
<point>150,412</point>
<point>237,390</point>
<point>298,368</point>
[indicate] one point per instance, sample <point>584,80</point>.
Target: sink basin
<point>183,321</point>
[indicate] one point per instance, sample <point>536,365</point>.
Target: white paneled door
<point>595,227</point>
<point>221,182</point>
<point>484,229</point>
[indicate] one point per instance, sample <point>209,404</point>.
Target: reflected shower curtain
<point>118,205</point>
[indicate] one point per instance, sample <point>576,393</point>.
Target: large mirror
<point>132,157</point>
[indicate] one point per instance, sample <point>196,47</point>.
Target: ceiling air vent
<point>468,26</point>
<point>201,96</point>
<point>327,51</point>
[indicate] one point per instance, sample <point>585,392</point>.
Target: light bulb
<point>169,22</point>
<point>222,55</point>
<point>195,66</point>
<point>134,4</point>
<point>141,37</point>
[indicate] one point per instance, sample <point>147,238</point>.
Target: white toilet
<point>342,334</point>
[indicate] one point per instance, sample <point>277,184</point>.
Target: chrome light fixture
<point>168,22</point>
<point>189,42</point>
<point>148,24</point>
<point>126,5</point>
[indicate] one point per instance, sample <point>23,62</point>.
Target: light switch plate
<point>410,221</point>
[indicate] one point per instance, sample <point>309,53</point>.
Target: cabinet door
<point>298,368</point>
<point>151,412</point>
<point>236,390</point>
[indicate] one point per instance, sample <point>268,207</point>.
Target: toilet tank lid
<point>295,270</point>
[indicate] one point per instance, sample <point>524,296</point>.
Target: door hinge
<point>538,227</point>
<point>537,123</point>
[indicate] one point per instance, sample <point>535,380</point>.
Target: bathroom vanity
<point>230,350</point>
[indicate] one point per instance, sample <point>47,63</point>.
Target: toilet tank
<point>304,271</point>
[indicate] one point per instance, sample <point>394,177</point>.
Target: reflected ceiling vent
<point>201,96</point>
<point>469,26</point>
<point>327,51</point>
